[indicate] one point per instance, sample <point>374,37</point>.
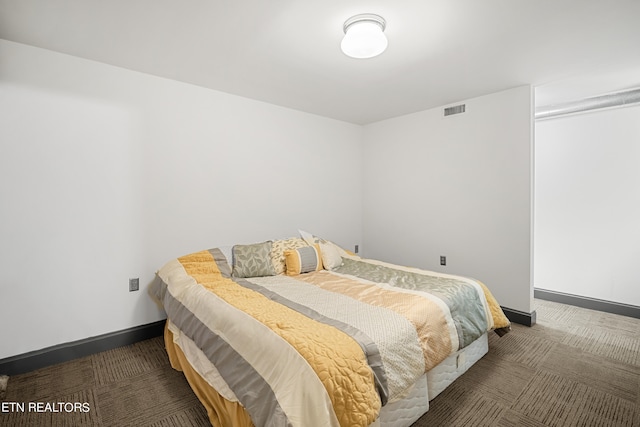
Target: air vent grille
<point>456,109</point>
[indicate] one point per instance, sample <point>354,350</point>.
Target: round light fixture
<point>364,36</point>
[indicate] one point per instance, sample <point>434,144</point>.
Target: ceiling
<point>287,52</point>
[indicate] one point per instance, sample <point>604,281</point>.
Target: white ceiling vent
<point>456,109</point>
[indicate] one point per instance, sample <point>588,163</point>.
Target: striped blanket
<point>327,347</point>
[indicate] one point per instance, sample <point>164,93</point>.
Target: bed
<point>299,332</point>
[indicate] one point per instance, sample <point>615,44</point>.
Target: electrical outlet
<point>134,284</point>
<point>443,260</point>
<point>356,249</point>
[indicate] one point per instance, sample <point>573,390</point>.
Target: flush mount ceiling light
<point>364,36</point>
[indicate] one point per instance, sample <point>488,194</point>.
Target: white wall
<point>105,174</point>
<point>587,216</point>
<point>458,186</point>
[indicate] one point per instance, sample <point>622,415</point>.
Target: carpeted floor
<point>575,367</point>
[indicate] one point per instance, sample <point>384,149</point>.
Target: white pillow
<point>307,237</point>
<point>312,240</point>
<point>330,256</point>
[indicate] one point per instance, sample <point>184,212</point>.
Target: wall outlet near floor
<point>134,284</point>
<point>356,249</point>
<point>443,260</point>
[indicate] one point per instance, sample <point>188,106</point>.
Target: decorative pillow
<point>303,260</point>
<point>313,240</point>
<point>331,257</point>
<point>277,252</point>
<point>252,260</point>
<point>309,238</point>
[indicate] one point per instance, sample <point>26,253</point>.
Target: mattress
<point>450,369</point>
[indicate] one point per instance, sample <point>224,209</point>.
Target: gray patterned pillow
<point>252,260</point>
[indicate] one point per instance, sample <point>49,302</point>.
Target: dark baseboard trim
<point>521,317</point>
<point>64,352</point>
<point>590,303</point>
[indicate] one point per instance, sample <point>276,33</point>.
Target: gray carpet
<point>576,367</point>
